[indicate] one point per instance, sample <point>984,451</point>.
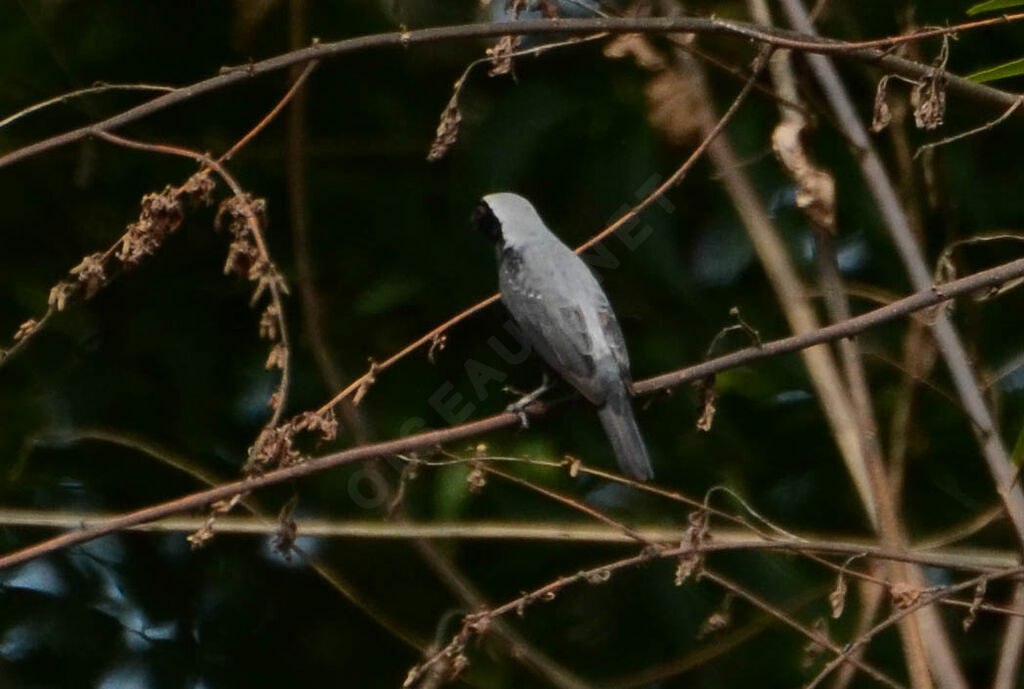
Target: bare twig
<point>924,599</point>
<point>475,623</point>
<point>971,132</point>
<point>788,620</point>
<point>66,97</point>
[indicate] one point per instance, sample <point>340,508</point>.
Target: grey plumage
<point>565,315</point>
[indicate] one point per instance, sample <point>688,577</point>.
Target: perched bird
<point>565,316</point>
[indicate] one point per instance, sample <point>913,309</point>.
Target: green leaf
<point>1018,449</point>
<point>1013,68</point>
<point>993,5</point>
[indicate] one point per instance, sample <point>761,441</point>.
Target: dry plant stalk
<point>161,215</point>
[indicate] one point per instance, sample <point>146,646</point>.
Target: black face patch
<point>483,220</point>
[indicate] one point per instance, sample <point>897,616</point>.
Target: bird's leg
<point>529,398</point>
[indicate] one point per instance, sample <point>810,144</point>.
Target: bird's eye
<point>484,221</point>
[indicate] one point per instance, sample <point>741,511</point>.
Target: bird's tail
<point>620,426</point>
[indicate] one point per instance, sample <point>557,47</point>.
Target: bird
<point>558,304</point>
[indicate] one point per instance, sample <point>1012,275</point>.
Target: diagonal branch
<point>916,302</point>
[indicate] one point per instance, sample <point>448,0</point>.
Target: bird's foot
<point>519,406</point>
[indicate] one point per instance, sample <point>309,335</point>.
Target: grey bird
<point>565,316</point>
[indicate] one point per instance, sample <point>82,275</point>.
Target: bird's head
<point>508,219</point>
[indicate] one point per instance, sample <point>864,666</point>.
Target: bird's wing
<point>558,332</point>
<point>613,334</point>
<point>555,326</point>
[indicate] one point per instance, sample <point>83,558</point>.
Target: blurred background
<point>124,399</point>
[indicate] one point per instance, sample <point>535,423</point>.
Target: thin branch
<point>868,51</point>
<point>814,636</point>
<point>971,132</point>
<point>430,439</point>
<point>926,598</point>
<point>718,646</point>
<point>65,97</point>
<point>300,79</point>
<point>474,623</point>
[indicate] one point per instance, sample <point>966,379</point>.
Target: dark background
<point>169,354</point>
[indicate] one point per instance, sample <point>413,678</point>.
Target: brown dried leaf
<point>272,448</point>
<point>928,98</point>
<point>269,323</point>
<point>904,595</point>
<point>707,415</point>
<point>91,274</point>
<point>881,114</point>
<point>837,599</point>
<point>816,189</point>
<point>476,479</point>
<point>929,101</point>
<point>278,357</point>
<point>198,189</point>
<point>638,47</point>
<point>162,214</point>
<point>369,378</point>
<point>448,128</point>
<point>60,294</point>
<point>501,55</point>
<point>274,403</point>
<point>202,536</point>
<point>324,421</point>
<point>979,598</point>
<point>288,530</point>
<point>717,620</point>
<point>241,254</point>
<point>26,329</point>
<point>437,344</point>
<point>672,106</point>
<point>692,561</point>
